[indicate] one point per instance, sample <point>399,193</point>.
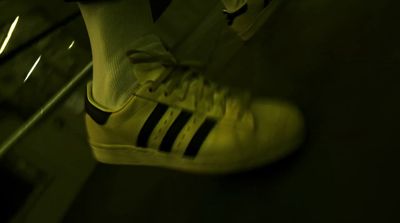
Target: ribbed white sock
<point>112,27</point>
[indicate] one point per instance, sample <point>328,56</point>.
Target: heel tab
<point>98,115</point>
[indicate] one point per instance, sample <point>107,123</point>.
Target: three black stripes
<point>173,131</point>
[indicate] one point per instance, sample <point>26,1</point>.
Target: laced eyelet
<point>166,94</point>
<point>150,90</point>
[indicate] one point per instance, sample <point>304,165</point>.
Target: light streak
<point>33,67</point>
<point>9,34</point>
<point>71,45</point>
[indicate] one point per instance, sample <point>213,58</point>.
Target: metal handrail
<point>10,141</point>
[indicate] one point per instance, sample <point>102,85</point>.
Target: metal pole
<point>43,110</point>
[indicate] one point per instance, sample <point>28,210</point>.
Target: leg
<point>112,27</point>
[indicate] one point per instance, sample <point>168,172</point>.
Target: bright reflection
<point>33,67</point>
<point>10,32</point>
<point>71,45</point>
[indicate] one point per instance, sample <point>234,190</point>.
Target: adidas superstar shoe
<point>250,17</point>
<point>177,119</point>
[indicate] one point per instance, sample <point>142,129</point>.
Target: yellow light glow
<point>9,34</point>
<point>33,67</point>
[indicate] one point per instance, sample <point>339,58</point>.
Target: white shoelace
<point>182,77</point>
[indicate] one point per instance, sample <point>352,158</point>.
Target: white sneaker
<point>177,119</point>
<point>248,19</point>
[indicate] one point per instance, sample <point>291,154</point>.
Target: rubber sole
<point>131,155</point>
